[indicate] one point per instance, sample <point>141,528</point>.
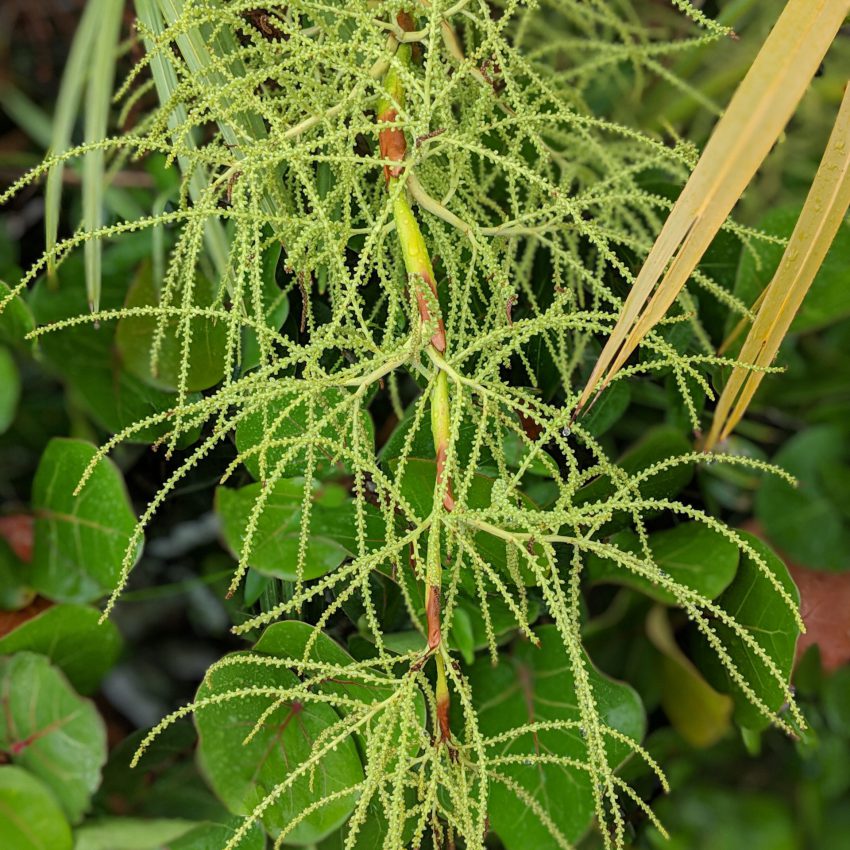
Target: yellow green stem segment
<point>420,272</point>
<point>393,145</point>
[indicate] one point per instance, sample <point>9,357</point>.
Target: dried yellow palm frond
<point>757,114</point>
<point>822,214</point>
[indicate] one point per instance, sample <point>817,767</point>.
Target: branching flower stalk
<point>495,178</point>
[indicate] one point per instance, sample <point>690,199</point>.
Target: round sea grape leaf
<point>836,701</point>
<point>288,639</point>
<point>720,819</point>
<point>80,540</point>
<point>135,337</point>
<point>659,444</point>
<point>805,522</point>
<point>286,420</point>
<point>86,356</point>
<point>130,834</point>
<point>753,601</point>
<point>10,390</point>
<point>691,554</point>
<point>828,299</point>
<point>15,590</point>
<point>274,548</point>
<point>537,685</point>
<point>16,319</point>
<point>243,773</point>
<point>48,729</point>
<point>824,603</point>
<point>373,830</point>
<point>275,307</point>
<point>30,817</point>
<point>608,409</point>
<point>166,782</point>
<point>215,835</point>
<point>71,637</point>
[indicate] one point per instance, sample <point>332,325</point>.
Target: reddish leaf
<point>17,530</point>
<point>10,620</point>
<point>825,606</point>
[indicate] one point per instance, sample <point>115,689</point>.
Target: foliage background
<point>765,792</point>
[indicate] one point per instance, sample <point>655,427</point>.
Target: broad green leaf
<point>372,833</point>
<point>86,357</point>
<point>608,409</point>
<point>691,554</point>
<point>696,711</point>
<point>15,579</point>
<point>179,788</point>
<point>49,730</point>
<point>70,636</point>
<point>274,308</point>
<point>827,301</point>
<point>755,604</point>
<point>408,640</point>
<point>30,817</point>
<point>10,390</point>
<point>658,445</point>
<point>276,541</point>
<point>215,835</point>
<point>836,701</point>
<point>16,319</point>
<point>537,685</point>
<point>130,834</point>
<point>516,453</point>
<point>243,773</point>
<point>462,635</point>
<point>287,418</point>
<point>724,819</point>
<point>206,352</point>
<point>805,522</point>
<point>80,540</point>
<point>288,639</point>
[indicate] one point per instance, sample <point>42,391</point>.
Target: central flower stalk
<point>421,280</point>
